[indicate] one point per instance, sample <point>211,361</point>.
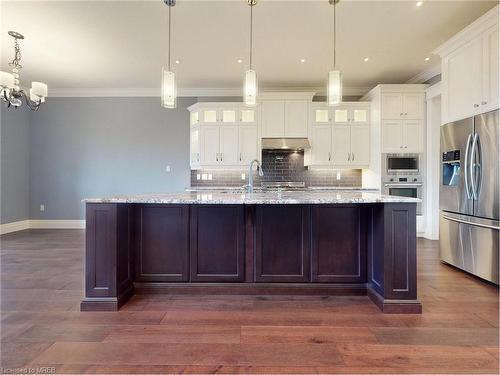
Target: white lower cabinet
<point>402,136</point>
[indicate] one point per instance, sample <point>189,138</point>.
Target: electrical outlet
<point>167,168</point>
<point>243,176</point>
<point>198,176</point>
<point>42,207</point>
<point>339,176</point>
<point>204,176</point>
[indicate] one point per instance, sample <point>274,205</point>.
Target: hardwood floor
<point>41,325</point>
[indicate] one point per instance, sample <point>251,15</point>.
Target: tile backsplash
<point>278,166</point>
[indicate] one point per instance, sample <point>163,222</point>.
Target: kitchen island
<point>231,242</point>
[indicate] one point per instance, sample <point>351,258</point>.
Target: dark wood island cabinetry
<point>290,248</point>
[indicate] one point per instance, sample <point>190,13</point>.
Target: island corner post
<point>310,249</point>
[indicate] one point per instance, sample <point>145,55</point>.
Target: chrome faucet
<point>250,174</point>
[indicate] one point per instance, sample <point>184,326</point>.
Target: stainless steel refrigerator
<point>469,224</point>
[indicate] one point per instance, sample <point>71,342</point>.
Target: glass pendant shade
<point>39,89</point>
<point>334,87</point>
<point>168,89</point>
<point>250,89</point>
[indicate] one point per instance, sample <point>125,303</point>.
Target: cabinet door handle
<point>240,156</point>
<point>353,156</point>
<point>476,105</point>
<point>401,114</point>
<point>198,156</point>
<point>221,156</point>
<point>348,156</point>
<point>329,156</point>
<point>484,103</point>
<point>217,157</point>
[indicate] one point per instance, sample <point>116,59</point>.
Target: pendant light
<point>168,86</point>
<point>334,88</point>
<point>250,87</point>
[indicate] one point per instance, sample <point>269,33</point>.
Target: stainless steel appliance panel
<point>456,136</point>
<point>471,244</point>
<point>450,247</point>
<point>405,189</point>
<point>486,160</point>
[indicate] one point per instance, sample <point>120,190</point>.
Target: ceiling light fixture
<point>334,88</point>
<point>427,58</point>
<point>177,61</point>
<point>366,59</point>
<point>168,86</point>
<point>239,61</point>
<point>302,60</point>
<point>250,87</point>
<point>419,3</point>
<point>10,91</point>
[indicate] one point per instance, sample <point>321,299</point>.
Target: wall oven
<point>404,187</point>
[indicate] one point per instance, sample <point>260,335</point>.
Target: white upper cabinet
<point>228,153</point>
<point>248,144</point>
<point>296,119</point>
<point>341,145</point>
<point>469,68</point>
<point>273,119</point>
<point>321,145</point>
<point>392,106</point>
<point>360,145</point>
<point>402,106</point>
<point>209,145</point>
<point>490,68</point>
<point>340,135</point>
<point>223,135</point>
<point>320,115</point>
<point>402,136</point>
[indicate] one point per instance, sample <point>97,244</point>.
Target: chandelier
<point>10,92</point>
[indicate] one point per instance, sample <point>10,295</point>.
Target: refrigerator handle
<point>466,168</point>
<point>472,167</point>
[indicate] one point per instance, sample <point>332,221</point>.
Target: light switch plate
<point>167,168</point>
<point>42,207</point>
<point>339,176</point>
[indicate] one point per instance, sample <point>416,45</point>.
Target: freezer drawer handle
<point>469,223</point>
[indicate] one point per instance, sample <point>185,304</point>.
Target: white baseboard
<point>57,224</point>
<point>41,224</point>
<point>15,226</point>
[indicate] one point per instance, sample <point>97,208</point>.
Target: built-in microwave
<point>402,164</point>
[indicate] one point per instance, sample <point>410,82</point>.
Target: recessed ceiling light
<point>239,61</point>
<point>419,3</point>
<point>427,58</point>
<point>177,61</point>
<point>366,59</point>
<point>302,60</point>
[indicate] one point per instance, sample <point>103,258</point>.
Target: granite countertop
<point>260,197</point>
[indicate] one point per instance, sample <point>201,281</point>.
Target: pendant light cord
<point>334,34</point>
<point>169,35</point>
<point>251,33</point>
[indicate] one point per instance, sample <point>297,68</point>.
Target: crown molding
<point>487,20</point>
<point>187,92</point>
<point>426,74</point>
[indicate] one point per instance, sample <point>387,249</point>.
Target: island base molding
<point>269,249</point>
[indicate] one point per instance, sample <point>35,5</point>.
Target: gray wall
<point>15,146</point>
<point>91,147</point>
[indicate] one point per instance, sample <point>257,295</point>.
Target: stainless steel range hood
<point>285,144</point>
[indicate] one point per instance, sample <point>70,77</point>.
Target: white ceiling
<point>122,44</point>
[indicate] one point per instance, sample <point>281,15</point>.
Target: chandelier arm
<point>32,104</point>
